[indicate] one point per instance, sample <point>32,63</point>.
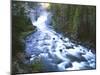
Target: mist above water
<point>56,52</point>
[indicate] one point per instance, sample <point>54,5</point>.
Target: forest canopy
<point>78,22</point>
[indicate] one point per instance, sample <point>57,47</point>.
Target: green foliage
<point>37,66</point>
<point>78,21</point>
<point>21,25</point>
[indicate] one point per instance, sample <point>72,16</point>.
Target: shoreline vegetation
<point>78,22</point>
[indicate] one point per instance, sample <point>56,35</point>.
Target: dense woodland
<point>75,21</point>
<point>78,22</point>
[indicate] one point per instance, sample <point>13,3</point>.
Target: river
<point>57,53</point>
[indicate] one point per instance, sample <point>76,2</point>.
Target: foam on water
<point>56,52</point>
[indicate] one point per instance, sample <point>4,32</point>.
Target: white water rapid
<point>56,52</point>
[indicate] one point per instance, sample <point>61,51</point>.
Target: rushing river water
<point>56,52</point>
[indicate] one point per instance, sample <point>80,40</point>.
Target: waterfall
<point>56,52</point>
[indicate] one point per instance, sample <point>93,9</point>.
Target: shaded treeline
<point>21,26</point>
<point>76,21</point>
